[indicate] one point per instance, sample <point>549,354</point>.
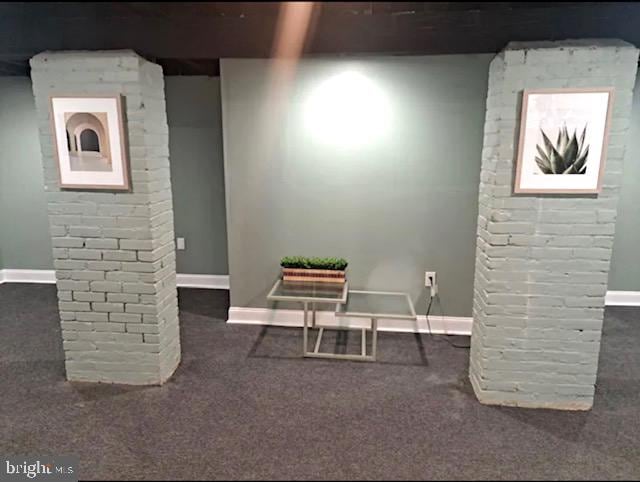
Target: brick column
<point>542,261</point>
<point>114,253</point>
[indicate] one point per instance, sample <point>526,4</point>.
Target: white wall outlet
<point>429,278</point>
<point>180,243</point>
<point>430,281</point>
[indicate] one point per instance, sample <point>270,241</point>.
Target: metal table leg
<point>374,342</point>
<point>305,330</point>
<point>318,341</point>
<point>310,323</point>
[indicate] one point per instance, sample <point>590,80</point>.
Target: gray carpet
<point>244,405</point>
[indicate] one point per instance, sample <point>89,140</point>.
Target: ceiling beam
<point>213,30</point>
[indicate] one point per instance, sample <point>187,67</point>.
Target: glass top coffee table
<point>371,305</point>
<point>308,292</point>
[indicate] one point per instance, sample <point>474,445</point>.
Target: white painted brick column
<point>114,253</point>
<point>542,261</point>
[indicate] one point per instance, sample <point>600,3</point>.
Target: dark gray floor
<point>244,405</point>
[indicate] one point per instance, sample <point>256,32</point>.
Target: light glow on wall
<point>348,110</point>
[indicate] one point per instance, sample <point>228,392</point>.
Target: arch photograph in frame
<point>89,138</point>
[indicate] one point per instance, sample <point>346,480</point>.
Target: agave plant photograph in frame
<point>563,140</point>
<point>567,156</point>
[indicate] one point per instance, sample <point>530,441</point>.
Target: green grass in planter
<point>337,264</point>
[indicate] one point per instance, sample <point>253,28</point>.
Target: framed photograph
<point>89,137</point>
<point>563,140</point>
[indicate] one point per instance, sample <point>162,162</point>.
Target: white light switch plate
<point>180,243</point>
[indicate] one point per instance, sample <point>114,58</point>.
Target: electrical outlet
<point>180,243</point>
<point>430,281</point>
<point>429,278</point>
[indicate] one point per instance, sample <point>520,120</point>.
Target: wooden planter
<point>317,275</point>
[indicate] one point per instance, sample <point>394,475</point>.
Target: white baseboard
<point>622,298</point>
<point>218,282</point>
<point>221,282</point>
<point>28,276</point>
<point>208,281</point>
<point>450,325</point>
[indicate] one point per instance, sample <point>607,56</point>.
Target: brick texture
<point>542,261</point>
<point>114,253</point>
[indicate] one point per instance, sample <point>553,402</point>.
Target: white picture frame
<point>563,140</point>
<point>90,142</point>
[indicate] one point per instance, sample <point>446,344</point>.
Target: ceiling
<point>190,37</point>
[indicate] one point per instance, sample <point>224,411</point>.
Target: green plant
<point>567,156</point>
<point>338,264</point>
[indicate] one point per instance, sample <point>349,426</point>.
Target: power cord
<point>447,339</point>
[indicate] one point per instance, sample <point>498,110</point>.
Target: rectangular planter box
<point>317,275</point>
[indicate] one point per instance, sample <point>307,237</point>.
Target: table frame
<point>306,301</point>
<point>374,325</point>
<point>309,322</point>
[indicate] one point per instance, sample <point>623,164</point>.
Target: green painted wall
<point>197,175</point>
<point>625,261</point>
<point>394,206</point>
<point>394,211</point>
<point>24,228</point>
<point>193,110</point>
